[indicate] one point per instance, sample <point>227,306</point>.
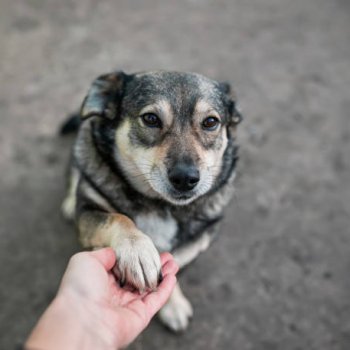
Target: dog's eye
<point>151,120</point>
<point>210,123</point>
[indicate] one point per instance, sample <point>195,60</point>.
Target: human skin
<point>91,310</point>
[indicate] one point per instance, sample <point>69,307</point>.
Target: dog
<point>152,170</point>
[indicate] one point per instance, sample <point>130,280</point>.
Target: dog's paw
<point>177,312</point>
<point>138,262</point>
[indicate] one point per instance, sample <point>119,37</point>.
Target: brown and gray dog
<point>152,170</point>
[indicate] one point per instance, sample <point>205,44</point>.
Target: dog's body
<point>152,170</point>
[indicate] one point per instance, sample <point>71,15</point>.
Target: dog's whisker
<point>139,175</point>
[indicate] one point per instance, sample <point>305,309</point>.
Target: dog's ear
<point>104,96</point>
<point>225,87</point>
<point>235,115</point>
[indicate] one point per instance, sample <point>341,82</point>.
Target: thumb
<point>105,256</point>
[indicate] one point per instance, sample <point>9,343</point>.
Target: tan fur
<point>139,164</point>
<point>100,233</point>
<point>210,158</point>
<point>69,203</point>
<point>138,258</point>
<point>145,167</point>
<point>203,109</point>
<point>162,109</point>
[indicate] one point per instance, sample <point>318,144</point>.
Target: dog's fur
<point>119,189</point>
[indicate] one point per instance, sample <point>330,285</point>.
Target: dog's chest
<point>161,229</point>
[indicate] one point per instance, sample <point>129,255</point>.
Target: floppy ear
<point>104,96</point>
<point>235,115</point>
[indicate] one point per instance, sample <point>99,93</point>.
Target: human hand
<point>106,316</point>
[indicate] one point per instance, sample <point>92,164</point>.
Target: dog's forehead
<point>181,90</point>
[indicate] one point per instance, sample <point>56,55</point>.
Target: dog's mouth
<point>166,191</point>
<point>181,196</point>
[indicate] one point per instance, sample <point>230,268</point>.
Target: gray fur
<point>184,227</point>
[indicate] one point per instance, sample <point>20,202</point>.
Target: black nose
<point>184,177</point>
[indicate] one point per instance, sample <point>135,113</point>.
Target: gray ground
<point>278,277</point>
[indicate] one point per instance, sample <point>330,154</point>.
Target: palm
<point>124,308</point>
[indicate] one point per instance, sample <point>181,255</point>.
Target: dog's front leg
<point>138,259</point>
<point>176,313</point>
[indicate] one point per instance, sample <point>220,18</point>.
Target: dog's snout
<point>184,177</point>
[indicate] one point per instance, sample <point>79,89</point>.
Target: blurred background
<point>278,277</point>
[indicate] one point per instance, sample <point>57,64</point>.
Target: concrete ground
<point>278,277</point>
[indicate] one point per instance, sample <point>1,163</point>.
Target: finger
<point>165,257</point>
<point>170,267</point>
<point>155,300</point>
<point>105,256</point>
<point>168,260</point>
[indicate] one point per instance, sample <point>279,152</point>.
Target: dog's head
<point>170,129</point>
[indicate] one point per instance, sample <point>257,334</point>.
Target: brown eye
<point>210,123</point>
<point>151,120</point>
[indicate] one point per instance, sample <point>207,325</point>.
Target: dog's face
<point>171,130</point>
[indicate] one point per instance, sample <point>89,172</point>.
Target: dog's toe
<point>138,263</point>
